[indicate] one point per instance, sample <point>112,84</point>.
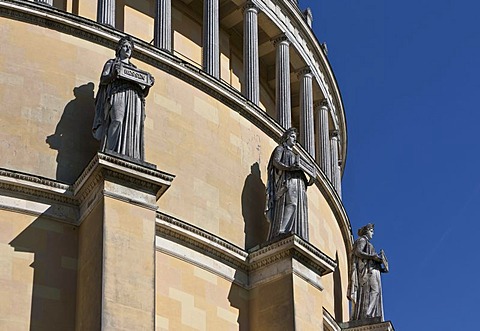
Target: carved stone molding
<point>372,325</point>
<point>290,254</point>
<point>70,203</point>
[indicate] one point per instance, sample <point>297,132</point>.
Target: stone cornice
<point>291,246</point>
<point>30,185</point>
<point>382,326</point>
<point>171,227</point>
<point>36,195</point>
<point>208,244</point>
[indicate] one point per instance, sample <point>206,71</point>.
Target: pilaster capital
<point>250,6</point>
<point>281,39</point>
<point>321,105</point>
<point>304,72</point>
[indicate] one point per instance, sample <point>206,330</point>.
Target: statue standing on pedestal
<point>120,104</point>
<point>365,287</point>
<point>286,208</point>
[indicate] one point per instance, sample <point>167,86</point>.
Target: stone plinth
<point>116,260</point>
<point>373,324</point>
<point>286,285</point>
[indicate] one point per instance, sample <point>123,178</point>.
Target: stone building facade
<point>89,241</point>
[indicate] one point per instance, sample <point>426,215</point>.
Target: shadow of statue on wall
<point>52,291</point>
<point>239,298</point>
<point>337,292</point>
<point>253,207</point>
<point>73,135</point>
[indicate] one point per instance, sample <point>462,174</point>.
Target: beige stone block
<point>88,9</point>
<point>131,318</point>
<point>206,110</point>
<point>138,24</point>
<point>205,275</point>
<point>161,323</point>
<point>227,315</point>
<point>191,316</point>
<point>168,104</point>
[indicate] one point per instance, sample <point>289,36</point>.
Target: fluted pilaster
<point>163,24</point>
<point>250,53</point>
<point>211,35</point>
<point>336,180</point>
<point>45,2</point>
<point>307,132</point>
<point>106,12</point>
<point>282,78</point>
<point>323,142</point>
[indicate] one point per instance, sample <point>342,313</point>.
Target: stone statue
<point>365,287</point>
<point>120,104</point>
<point>286,208</point>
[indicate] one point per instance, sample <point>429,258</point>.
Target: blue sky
<point>409,76</point>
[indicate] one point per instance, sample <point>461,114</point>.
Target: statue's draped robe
<point>286,189</point>
<point>119,114</point>
<point>365,287</point>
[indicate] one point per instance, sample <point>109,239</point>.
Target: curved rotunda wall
<point>219,157</point>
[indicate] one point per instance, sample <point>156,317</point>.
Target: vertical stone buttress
<point>106,12</point>
<point>323,146</point>
<point>282,81</point>
<point>250,53</point>
<point>163,24</point>
<point>307,133</point>
<point>211,38</point>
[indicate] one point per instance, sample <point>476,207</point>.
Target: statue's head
<point>366,230</point>
<point>289,137</point>
<point>122,44</point>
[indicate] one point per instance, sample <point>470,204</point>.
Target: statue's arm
<point>277,160</point>
<point>359,251</point>
<point>108,74</point>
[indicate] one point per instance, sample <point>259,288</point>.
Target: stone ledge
<point>373,324</point>
<point>105,175</point>
<point>285,255</point>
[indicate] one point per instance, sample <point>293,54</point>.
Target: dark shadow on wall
<point>337,292</point>
<point>54,246</point>
<point>60,4</point>
<point>253,207</point>
<point>73,135</point>
<point>239,298</point>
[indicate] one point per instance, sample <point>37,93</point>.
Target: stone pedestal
<point>116,259</point>
<point>373,324</point>
<point>285,277</point>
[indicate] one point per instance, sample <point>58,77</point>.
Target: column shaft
<point>211,36</point>
<point>163,24</point>
<point>323,142</point>
<point>307,132</point>
<point>250,54</point>
<point>106,12</point>
<point>336,180</point>
<point>282,79</point>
